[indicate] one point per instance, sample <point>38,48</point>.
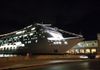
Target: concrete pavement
<point>36,63</point>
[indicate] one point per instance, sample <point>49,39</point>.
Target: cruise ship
<point>38,39</point>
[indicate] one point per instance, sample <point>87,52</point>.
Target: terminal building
<point>86,47</point>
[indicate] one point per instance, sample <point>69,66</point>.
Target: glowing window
<point>59,42</point>
<point>25,42</point>
<point>65,42</point>
<point>87,50</point>
<point>81,50</point>
<point>76,50</point>
<point>39,34</point>
<point>20,36</point>
<point>43,36</point>
<point>93,50</point>
<point>36,41</point>
<point>15,37</point>
<point>29,41</point>
<point>54,43</point>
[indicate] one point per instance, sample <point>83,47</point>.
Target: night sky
<point>75,16</point>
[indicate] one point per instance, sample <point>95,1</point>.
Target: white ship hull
<point>36,39</point>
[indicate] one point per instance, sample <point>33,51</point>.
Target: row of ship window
<point>77,51</point>
<point>6,48</point>
<point>88,44</point>
<point>15,39</point>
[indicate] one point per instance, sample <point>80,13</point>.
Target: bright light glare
<point>83,56</point>
<point>65,42</point>
<point>55,35</point>
<point>79,44</point>
<point>19,32</point>
<point>25,35</point>
<point>56,42</point>
<point>15,45</point>
<point>7,55</point>
<point>56,61</point>
<point>59,42</point>
<point>33,28</point>
<point>31,34</point>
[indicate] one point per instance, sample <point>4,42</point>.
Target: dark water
<point>91,65</point>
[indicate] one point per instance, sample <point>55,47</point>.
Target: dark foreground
<point>87,65</point>
<point>49,63</point>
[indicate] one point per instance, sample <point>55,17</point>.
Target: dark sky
<point>75,16</point>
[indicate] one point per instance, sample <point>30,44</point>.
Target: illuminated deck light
<point>20,32</point>
<point>33,28</point>
<point>31,34</point>
<point>36,41</point>
<point>65,42</point>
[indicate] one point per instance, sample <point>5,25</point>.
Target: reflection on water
<point>93,65</point>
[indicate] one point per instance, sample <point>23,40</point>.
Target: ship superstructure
<point>38,39</point>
